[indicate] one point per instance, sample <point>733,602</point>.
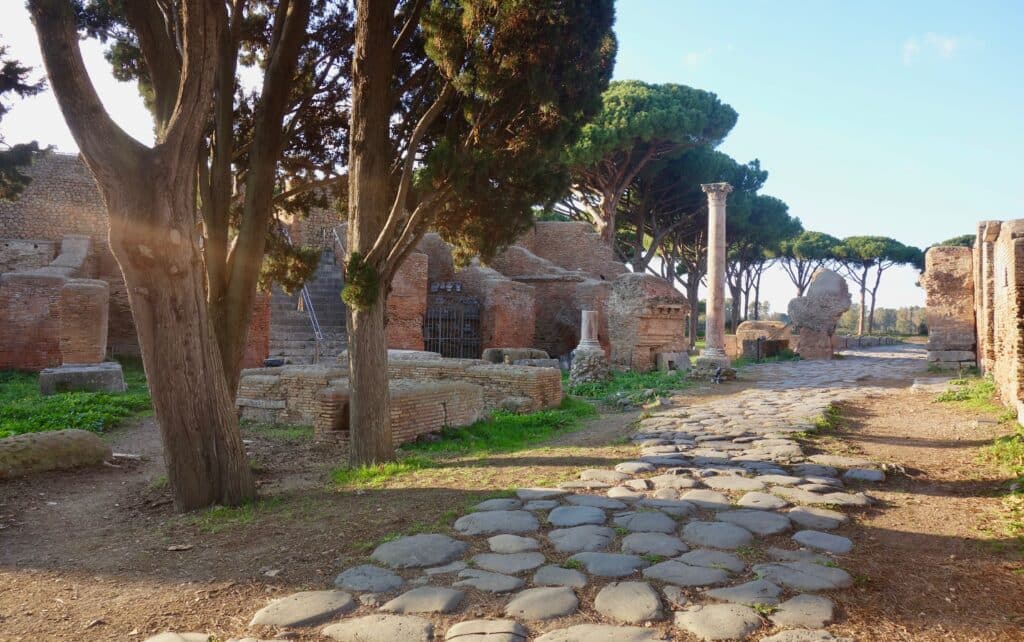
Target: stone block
<point>499,355</point>
<point>671,361</point>
<point>91,377</point>
<point>950,355</point>
<point>588,366</point>
<point>38,452</point>
<point>84,312</point>
<point>538,363</point>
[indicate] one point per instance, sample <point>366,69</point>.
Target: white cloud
<point>935,45</point>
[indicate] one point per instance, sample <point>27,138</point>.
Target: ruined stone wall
<point>507,312</point>
<point>63,199</point>
<point>416,408</point>
<point>573,245</point>
<point>84,309</point>
<point>949,295</point>
<point>315,229</point>
<point>441,265</point>
<point>645,316</point>
<point>17,255</point>
<point>1007,366</point>
<point>407,304</point>
<point>533,388</point>
<point>30,320</point>
<point>984,292</point>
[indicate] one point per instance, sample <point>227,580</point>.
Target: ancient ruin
<point>714,357</point>
<point>949,286</point>
<point>814,316</point>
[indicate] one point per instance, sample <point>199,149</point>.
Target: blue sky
<point>901,119</point>
<point>893,118</point>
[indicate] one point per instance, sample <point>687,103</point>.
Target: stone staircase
<point>291,333</point>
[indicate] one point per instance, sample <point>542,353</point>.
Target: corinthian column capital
<point>717,192</point>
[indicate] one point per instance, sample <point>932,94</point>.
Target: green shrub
<point>635,387</point>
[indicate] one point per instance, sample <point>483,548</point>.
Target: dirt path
<point>932,561</point>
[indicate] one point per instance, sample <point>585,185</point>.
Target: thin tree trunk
<point>693,298</point>
<point>737,301</point>
<point>874,295</point>
<point>369,164</point>
<point>164,274</point>
<point>606,221</point>
<point>863,290</point>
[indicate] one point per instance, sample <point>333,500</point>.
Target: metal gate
<point>452,327</point>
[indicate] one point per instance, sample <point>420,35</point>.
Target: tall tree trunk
<point>369,165</point>
<point>874,295</point>
<point>605,222</point>
<point>164,274</point>
<point>757,299</point>
<point>737,302</point>
<point>863,291</point>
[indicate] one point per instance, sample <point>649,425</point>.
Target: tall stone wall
<point>573,245</point>
<point>1007,314</point>
<point>949,296</point>
<point>407,304</point>
<point>646,316</point>
<point>63,199</point>
<point>507,310</point>
<point>18,255</point>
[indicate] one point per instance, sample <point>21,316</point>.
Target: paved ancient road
<point>721,528</point>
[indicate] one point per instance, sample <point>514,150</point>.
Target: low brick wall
<point>84,311</point>
<point>541,388</point>
<point>949,295</point>
<point>416,408</point>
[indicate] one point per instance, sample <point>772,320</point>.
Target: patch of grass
<point>652,558</point>
<point>828,420</point>
<point>507,432</point>
<point>621,531</point>
<point>220,518</point>
<point>377,474</point>
<point>635,387</point>
<point>978,394</point>
<point>573,564</point>
<point>764,610</point>
<point>280,432</point>
<point>24,410</point>
<point>159,482</point>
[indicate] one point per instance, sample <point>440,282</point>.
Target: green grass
<point>377,474</point>
<point>635,386</point>
<point>24,410</point>
<point>506,432</point>
<point>828,420</point>
<point>279,432</point>
<point>220,518</point>
<point>978,394</point>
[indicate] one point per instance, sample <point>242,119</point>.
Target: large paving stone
<point>425,599</point>
<point>540,504</point>
<point>609,564</point>
<point>778,480</point>
<point>804,611</point>
<point>804,576</point>
<point>422,550</point>
<point>603,475</point>
<point>718,621</point>
<point>713,559</point>
<point>824,541</point>
<point>634,467</point>
<point>838,461</point>
<point>581,538</point>
<point>304,609</point>
<point>758,522</point>
<point>497,521</point>
<point>646,522</point>
<point>512,544</point>
<point>543,603</point>
<point>674,507</point>
<point>446,569</point>
<point>801,555</point>
<point>531,494</point>
<point>499,504</point>
<point>762,501</point>
<point>382,628</point>
<point>557,576</point>
<point>817,518</point>
<point>653,544</point>
<point>749,593</point>
<point>566,516</point>
<point>621,492</point>
<point>596,502</point>
<point>677,482</point>
<point>732,482</point>
<point>508,563</point>
<point>864,475</point>
<point>600,633</point>
<point>716,535</point>
<point>629,602</point>
<point>681,574</point>
<point>369,579</point>
<point>487,581</point>
<point>707,499</point>
<point>486,631</point>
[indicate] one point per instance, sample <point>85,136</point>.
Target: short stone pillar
<point>714,332</point>
<point>815,314</point>
<point>589,362</point>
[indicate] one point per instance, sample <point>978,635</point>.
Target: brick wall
<point>17,255</point>
<point>257,341</point>
<point>30,320</point>
<point>441,266</point>
<point>645,316</point>
<point>416,408</point>
<point>1007,367</point>
<point>536,388</point>
<point>407,304</point>
<point>949,296</point>
<point>573,245</point>
<point>506,307</point>
<point>84,309</point>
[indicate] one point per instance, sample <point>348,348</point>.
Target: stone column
<point>588,331</point>
<point>714,333</point>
